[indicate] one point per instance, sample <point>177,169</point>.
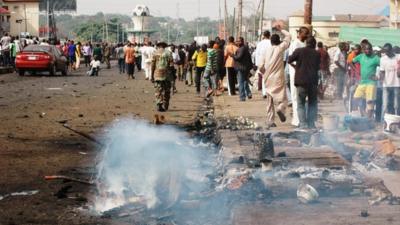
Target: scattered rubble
<point>237,123</point>
<point>22,193</point>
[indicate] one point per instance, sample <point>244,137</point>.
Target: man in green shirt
<point>367,87</point>
<point>97,51</point>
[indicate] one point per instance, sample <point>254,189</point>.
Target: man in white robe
<point>273,70</point>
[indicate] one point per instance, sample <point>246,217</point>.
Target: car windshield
<point>37,48</point>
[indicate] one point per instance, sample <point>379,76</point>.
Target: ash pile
<point>307,166</point>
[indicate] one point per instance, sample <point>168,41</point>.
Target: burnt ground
<point>34,143</point>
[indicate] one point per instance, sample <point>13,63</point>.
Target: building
<point>327,28</point>
<point>24,16</point>
<point>140,32</point>
<point>5,18</point>
<point>394,14</point>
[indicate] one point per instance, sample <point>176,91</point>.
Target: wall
<point>18,13</point>
<point>327,31</point>
<point>393,14</point>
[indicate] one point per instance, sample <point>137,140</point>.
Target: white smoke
<point>144,163</point>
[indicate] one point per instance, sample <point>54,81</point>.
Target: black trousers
<point>232,79</point>
<point>87,60</point>
<point>199,75</point>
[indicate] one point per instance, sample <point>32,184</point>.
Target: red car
<point>41,58</point>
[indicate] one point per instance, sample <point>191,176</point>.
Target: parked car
<point>41,58</point>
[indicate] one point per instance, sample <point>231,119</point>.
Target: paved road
<point>33,142</point>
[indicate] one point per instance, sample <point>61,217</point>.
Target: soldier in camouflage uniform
<point>160,76</point>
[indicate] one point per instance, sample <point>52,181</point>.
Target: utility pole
<point>168,33</point>
<point>240,19</point>
<point>225,20</point>
<point>177,17</point>
<point>47,19</point>
<point>262,17</point>
<point>308,7</point>
<point>103,35</point>
<point>198,17</point>
<point>26,22</point>
<point>117,32</point>
<point>233,22</point>
<point>219,18</point>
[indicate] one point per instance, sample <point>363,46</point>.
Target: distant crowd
<point>289,72</point>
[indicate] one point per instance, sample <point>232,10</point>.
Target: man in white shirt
<point>299,42</point>
<point>389,75</point>
<point>340,61</point>
<point>5,48</point>
<point>261,49</point>
<point>147,56</point>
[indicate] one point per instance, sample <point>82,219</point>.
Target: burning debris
<point>237,123</point>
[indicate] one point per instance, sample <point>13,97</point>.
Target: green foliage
<point>92,27</point>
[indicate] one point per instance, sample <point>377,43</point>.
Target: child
<point>94,67</point>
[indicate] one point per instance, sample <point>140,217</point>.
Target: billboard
<point>58,5</point>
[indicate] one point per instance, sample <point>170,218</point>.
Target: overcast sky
<point>188,9</point>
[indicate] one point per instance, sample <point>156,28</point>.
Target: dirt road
<point>34,143</point>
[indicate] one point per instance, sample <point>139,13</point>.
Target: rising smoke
<point>148,164</point>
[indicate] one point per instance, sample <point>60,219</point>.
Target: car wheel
<point>53,70</point>
<point>64,72</point>
<point>21,72</point>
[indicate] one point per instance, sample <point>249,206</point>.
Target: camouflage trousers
<point>163,92</point>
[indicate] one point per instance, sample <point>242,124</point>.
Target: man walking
<point>161,61</point>
<point>121,58</point>
<point>181,63</point>
<point>107,55</point>
<point>200,58</point>
<point>243,65</point>
<point>211,69</point>
<point>302,35</point>
<point>230,50</point>
<point>87,52</point>
<point>273,73</point>
<point>6,49</point>
<point>191,64</point>
<point>130,60</point>
<point>306,81</point>
<point>147,57</point>
<point>98,51</point>
<point>72,55</point>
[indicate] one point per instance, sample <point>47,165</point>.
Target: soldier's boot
<point>166,106</point>
<point>160,108</point>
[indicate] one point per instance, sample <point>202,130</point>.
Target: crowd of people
<point>288,71</point>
